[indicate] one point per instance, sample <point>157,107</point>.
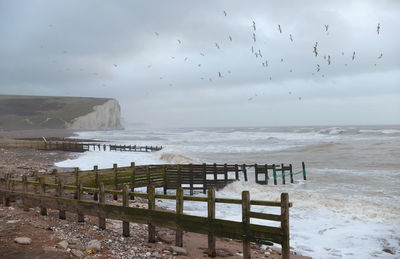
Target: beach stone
<point>12,221</point>
<point>23,240</point>
<point>387,250</point>
<point>75,244</point>
<point>77,253</point>
<point>178,250</point>
<point>62,244</point>
<point>94,245</point>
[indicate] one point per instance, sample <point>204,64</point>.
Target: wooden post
<point>151,206</point>
<point>283,174</point>
<point>211,215</point>
<point>25,189</point>
<point>96,182</point>
<point>236,172</point>
<point>179,211</point>
<point>179,176</point>
<point>125,203</point>
<point>256,172</point>
<point>43,211</point>
<point>148,175</point>
<point>6,201</point>
<point>244,172</point>
<point>204,178</point>
<point>215,175</point>
<point>115,167</point>
<point>102,220</point>
<point>226,174</point>
<point>60,193</point>
<point>266,174</point>
<point>81,217</point>
<point>246,222</point>
<point>191,178</point>
<point>304,171</point>
<point>76,182</point>
<point>55,173</point>
<point>291,173</point>
<point>133,167</point>
<point>274,174</point>
<point>164,171</point>
<point>285,225</point>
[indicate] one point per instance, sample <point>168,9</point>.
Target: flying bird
<point>291,37</point>
<point>230,38</point>
<point>256,54</point>
<point>225,13</point>
<point>199,65</point>
<point>173,57</point>
<point>156,33</point>
<point>266,63</point>
<point>202,54</point>
<point>380,56</point>
<point>279,28</point>
<point>354,55</point>
<point>229,71</point>
<point>149,66</point>
<point>318,68</point>
<point>281,59</point>
<point>259,53</point>
<point>115,65</point>
<point>263,64</point>
<point>299,98</point>
<point>378,28</point>
<point>315,49</point>
<point>329,60</point>
<point>254,25</point>
<point>254,37</point>
<point>291,70</point>
<point>326,27</point>
<point>252,49</point>
<point>342,53</point>
<point>186,58</point>
<point>216,45</point>
<point>210,79</point>
<point>180,42</point>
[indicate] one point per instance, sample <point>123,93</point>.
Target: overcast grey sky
<point>129,50</point>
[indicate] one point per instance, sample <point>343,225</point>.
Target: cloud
<point>130,50</point>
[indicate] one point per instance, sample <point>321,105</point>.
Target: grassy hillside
<point>43,112</point>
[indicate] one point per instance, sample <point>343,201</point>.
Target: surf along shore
<point>46,232</point>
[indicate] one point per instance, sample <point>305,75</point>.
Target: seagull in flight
<point>254,26</point>
<point>225,13</point>
<point>380,56</point>
<point>220,75</point>
<point>378,28</point>
<point>156,33</point>
<point>329,60</point>
<point>291,37</point>
<point>315,48</point>
<point>252,49</point>
<point>326,27</point>
<point>230,38</point>
<point>354,55</point>
<point>254,37</point>
<point>202,54</point>
<point>180,42</point>
<point>279,28</point>
<point>259,53</point>
<point>115,65</point>
<point>318,68</point>
<point>216,45</point>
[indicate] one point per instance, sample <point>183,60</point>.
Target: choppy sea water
<point>348,208</point>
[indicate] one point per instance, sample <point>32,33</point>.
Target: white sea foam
<point>348,208</point>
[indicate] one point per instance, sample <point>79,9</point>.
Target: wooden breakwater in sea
<point>74,146</point>
<point>192,177</point>
<point>58,197</point>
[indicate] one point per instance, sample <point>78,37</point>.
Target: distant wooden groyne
<point>58,196</point>
<point>74,146</point>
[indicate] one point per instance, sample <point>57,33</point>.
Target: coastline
<point>20,161</point>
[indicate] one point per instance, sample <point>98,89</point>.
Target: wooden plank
<point>96,181</point>
<point>125,203</point>
<point>259,215</point>
<point>179,212</point>
<point>246,222</point>
<point>81,217</point>
<point>102,219</point>
<point>60,193</point>
<point>211,251</point>
<point>43,210</point>
<point>285,225</point>
<point>115,168</point>
<point>151,206</point>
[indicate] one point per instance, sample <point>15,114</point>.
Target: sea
<point>349,206</point>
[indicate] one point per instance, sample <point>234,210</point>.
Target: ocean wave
<point>175,158</point>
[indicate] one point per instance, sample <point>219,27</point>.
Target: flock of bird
<point>259,54</point>
<point>265,63</point>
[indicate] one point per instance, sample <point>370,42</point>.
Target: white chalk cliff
<point>104,117</point>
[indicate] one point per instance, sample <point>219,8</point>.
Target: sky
<point>197,63</point>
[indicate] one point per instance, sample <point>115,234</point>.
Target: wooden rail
<point>52,196</point>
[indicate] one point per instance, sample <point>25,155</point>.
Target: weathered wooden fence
<point>79,146</point>
<point>54,196</point>
<point>190,177</point>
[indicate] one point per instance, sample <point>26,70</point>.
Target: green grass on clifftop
<point>18,112</point>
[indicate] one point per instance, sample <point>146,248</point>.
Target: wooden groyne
<point>57,196</point>
<point>191,177</point>
<point>75,146</point>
